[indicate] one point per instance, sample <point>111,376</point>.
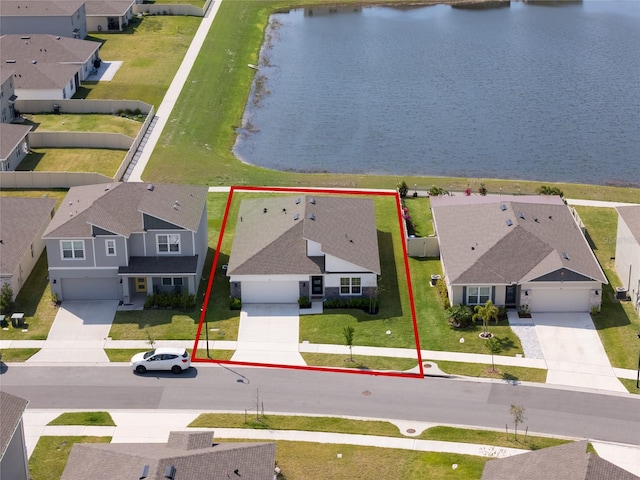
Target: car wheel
<point>141,369</point>
<point>176,369</point>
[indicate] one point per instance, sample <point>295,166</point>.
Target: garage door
<point>90,289</point>
<point>559,300</point>
<point>270,292</point>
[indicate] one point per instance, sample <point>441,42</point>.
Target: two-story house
<point>66,18</point>
<point>317,247</point>
<point>114,241</point>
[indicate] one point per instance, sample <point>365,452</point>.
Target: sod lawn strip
<point>50,455</point>
<point>359,362</point>
<point>630,385</point>
<point>89,122</point>
<point>84,418</point>
<point>152,325</point>
<point>507,373</point>
<point>18,354</point>
<point>94,160</point>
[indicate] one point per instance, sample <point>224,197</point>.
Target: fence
<point>82,106</point>
<point>164,9</point>
<point>116,141</point>
<point>47,180</point>
<point>423,247</point>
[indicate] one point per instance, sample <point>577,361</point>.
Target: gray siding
<point>54,255</point>
<point>153,223</point>
<point>14,462</point>
<point>136,245</point>
<point>104,260</point>
<point>201,243</point>
<point>186,242</point>
<point>55,25</point>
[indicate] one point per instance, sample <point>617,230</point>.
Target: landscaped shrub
<point>403,189</point>
<point>171,301</point>
<point>460,316</point>
<point>235,303</point>
<point>443,294</point>
<point>304,302</point>
<point>366,304</point>
<point>436,191</point>
<point>502,313</point>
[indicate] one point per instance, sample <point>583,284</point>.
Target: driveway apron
<point>573,352</point>
<point>78,333</point>
<point>269,334</point>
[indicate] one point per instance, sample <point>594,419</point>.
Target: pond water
<point>536,92</point>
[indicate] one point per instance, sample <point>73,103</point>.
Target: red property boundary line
<point>203,311</point>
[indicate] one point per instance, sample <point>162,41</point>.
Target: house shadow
<point>30,161</point>
<point>218,307</point>
<point>389,290</point>
<point>33,290</point>
<point>612,314</point>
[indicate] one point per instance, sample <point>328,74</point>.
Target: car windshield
<point>149,353</point>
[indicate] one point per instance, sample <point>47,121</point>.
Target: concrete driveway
<point>574,353</point>
<point>78,333</point>
<point>269,334</point>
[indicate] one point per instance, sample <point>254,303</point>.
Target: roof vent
<point>264,210</point>
<point>284,210</point>
<point>509,222</point>
<point>144,473</point>
<point>565,255</point>
<point>25,37</point>
<point>10,61</point>
<point>521,215</point>
<point>150,187</point>
<point>312,216</point>
<point>312,200</point>
<point>550,217</point>
<point>297,200</point>
<point>296,216</point>
<point>170,472</point>
<point>503,207</point>
<point>535,219</point>
<point>34,62</point>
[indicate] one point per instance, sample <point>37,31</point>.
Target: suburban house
<point>119,240</point>
<point>569,461</point>
<point>628,251</point>
<point>108,16</point>
<point>517,251</point>
<point>186,456</point>
<point>13,145</point>
<point>7,95</point>
<point>24,220</point>
<point>14,463</point>
<point>318,247</point>
<point>66,18</point>
<point>47,66</point>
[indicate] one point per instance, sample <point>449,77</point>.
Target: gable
<point>562,275</point>
<point>153,223</point>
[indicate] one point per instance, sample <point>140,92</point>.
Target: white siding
<point>556,298</point>
<point>334,264</point>
<point>333,280</point>
<point>628,261</point>
<point>270,292</point>
<point>314,249</point>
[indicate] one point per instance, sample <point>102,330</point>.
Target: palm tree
<point>485,313</point>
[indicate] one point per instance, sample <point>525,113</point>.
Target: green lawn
<point>84,418</point>
<point>618,323</point>
<point>152,48</point>
<point>629,385</point>
<point>503,372</point>
<point>359,362</point>
<point>50,456</point>
<point>18,354</point>
<point>98,160</point>
<point>157,324</point>
<point>84,123</point>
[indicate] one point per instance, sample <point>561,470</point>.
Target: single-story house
<point>66,18</point>
<point>14,464</point>
<point>287,247</point>
<point>628,251</point>
<point>569,461</point>
<point>24,220</point>
<point>516,251</point>
<point>119,240</point>
<point>47,66</point>
<point>108,16</point>
<point>7,95</point>
<point>186,456</point>
<point>13,145</point>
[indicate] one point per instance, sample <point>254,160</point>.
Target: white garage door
<point>270,292</point>
<point>90,289</point>
<point>559,300</point>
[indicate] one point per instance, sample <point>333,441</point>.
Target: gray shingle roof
<point>104,7</point>
<point>37,8</point>
<point>10,138</point>
<point>22,219</point>
<point>170,265</point>
<point>274,242</point>
<point>44,48</point>
<point>564,462</point>
<point>478,245</point>
<point>119,208</point>
<point>631,216</point>
<point>12,408</point>
<point>104,461</point>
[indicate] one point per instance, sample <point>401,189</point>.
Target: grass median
<point>84,418</point>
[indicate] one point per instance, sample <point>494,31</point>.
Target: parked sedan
<point>174,359</point>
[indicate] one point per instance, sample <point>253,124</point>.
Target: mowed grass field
<point>84,123</point>
<point>98,160</point>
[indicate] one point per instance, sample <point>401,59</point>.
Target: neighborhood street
<point>550,410</point>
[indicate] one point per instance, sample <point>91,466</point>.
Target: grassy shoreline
<point>213,115</point>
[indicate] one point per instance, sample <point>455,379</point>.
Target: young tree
<point>6,299</point>
<point>517,413</point>
<point>348,332</point>
<point>485,313</point>
<point>494,348</point>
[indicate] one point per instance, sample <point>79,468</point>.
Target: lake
<point>533,92</point>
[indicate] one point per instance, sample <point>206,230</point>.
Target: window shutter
<point>493,294</point>
<point>464,295</point>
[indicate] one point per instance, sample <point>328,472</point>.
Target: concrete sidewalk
<point>154,426</point>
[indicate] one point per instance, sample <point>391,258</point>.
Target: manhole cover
<point>366,393</point>
<point>411,430</point>
<point>427,365</point>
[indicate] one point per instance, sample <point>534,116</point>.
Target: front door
<point>316,286</point>
<point>510,295</point>
<point>141,284</point>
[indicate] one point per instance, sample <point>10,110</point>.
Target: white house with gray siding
<point>628,251</point>
<point>116,241</point>
<point>66,18</point>
<point>14,464</point>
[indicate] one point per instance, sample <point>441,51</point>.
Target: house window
<point>478,295</point>
<point>72,249</point>
<point>169,243</point>
<point>351,286</point>
<point>169,281</point>
<point>111,248</point>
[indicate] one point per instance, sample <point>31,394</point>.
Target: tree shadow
<point>506,343</point>
<point>507,377</point>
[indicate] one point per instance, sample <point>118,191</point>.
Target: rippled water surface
<point>530,92</point>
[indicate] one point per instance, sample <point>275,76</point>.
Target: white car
<point>174,359</point>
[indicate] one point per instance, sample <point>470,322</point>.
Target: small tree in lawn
<point>485,313</point>
<point>494,348</point>
<point>6,299</point>
<point>348,332</point>
<point>517,413</point>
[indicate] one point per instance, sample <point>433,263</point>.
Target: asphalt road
<point>549,410</point>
